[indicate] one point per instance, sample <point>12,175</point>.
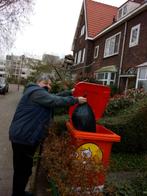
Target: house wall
<point>112,60</point>
<point>138,54</point>
<point>80,44</point>
<point>80,40</point>
<point>132,56</point>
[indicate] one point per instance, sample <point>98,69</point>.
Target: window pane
<point>120,13</point>
<point>75,60</point>
<point>79,56</point>
<point>116,43</point>
<point>143,73</point>
<point>112,76</point>
<point>107,46</point>
<point>142,84</point>
<point>125,10</point>
<point>82,30</point>
<point>83,57</point>
<point>101,76</point>
<point>134,35</point>
<point>96,51</point>
<point>106,75</point>
<point>112,45</point>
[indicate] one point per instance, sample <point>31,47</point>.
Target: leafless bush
<point>72,176</point>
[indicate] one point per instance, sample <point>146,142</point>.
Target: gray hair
<point>43,77</point>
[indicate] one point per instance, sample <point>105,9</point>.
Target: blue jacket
<point>34,111</point>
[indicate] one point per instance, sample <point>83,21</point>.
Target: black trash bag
<point>83,118</point>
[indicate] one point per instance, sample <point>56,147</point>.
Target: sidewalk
<point>8,104</point>
<point>41,185</point>
<point>38,183</point>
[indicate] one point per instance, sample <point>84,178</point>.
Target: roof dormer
<point>127,8</point>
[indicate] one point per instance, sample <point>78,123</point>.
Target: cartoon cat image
<point>87,153</point>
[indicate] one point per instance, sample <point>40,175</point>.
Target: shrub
<point>116,104</point>
<point>131,125</point>
<point>114,90</point>
<point>72,176</point>
<point>123,101</point>
<point>58,86</point>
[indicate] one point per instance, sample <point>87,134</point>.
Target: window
<point>122,11</point>
<point>82,30</point>
<point>105,78</point>
<point>112,45</point>
<point>83,56</point>
<point>75,59</point>
<point>142,78</point>
<point>134,37</point>
<point>96,51</point>
<point>79,56</point>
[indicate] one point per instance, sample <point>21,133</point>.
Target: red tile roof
<point>99,16</point>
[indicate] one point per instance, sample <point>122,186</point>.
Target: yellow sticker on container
<point>90,151</point>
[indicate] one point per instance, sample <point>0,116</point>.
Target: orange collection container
<point>95,144</point>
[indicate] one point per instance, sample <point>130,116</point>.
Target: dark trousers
<point>22,164</point>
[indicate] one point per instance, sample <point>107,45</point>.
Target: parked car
<point>4,86</point>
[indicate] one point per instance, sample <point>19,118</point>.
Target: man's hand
<point>72,90</point>
<point>82,100</point>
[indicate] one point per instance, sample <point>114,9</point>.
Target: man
<point>27,130</point>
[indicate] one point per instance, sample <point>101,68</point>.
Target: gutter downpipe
<point>138,72</point>
<point>122,54</point>
<point>86,27</point>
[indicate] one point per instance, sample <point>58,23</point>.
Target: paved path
<point>8,104</point>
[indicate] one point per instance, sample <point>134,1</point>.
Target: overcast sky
<point>52,28</point>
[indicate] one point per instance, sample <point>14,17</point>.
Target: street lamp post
<point>19,71</point>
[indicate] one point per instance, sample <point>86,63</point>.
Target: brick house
<point>110,44</point>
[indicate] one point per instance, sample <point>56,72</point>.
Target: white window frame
<point>139,76</point>
<point>110,45</point>
<point>106,80</point>
<point>123,11</point>
<point>134,42</point>
<point>96,51</point>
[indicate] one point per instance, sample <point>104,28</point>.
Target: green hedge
<point>131,125</point>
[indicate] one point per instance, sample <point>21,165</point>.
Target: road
<point>8,104</point>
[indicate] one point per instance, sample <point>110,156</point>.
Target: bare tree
<point>13,14</point>
<point>54,64</point>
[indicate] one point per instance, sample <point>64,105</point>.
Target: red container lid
<point>97,97</point>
